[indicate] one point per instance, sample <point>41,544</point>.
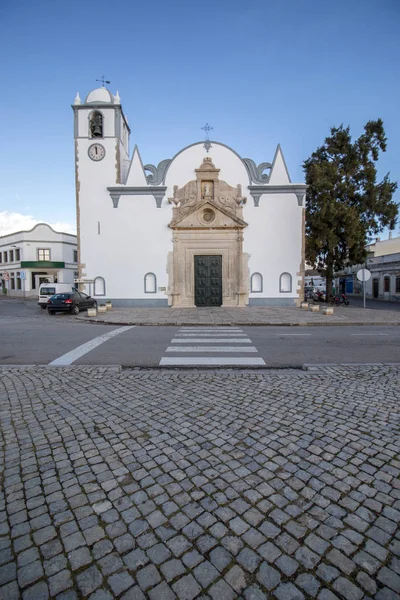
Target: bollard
<point>91,312</point>
<point>102,308</point>
<point>314,307</point>
<point>327,310</point>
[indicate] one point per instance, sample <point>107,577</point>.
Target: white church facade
<point>204,228</point>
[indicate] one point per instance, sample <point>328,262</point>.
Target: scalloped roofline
<point>37,225</point>
<point>201,143</point>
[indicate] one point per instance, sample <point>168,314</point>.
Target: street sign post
<point>363,275</point>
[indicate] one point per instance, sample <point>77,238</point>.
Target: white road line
<point>200,328</point>
<point>291,334</point>
<point>212,340</point>
<point>363,334</point>
<point>225,349</point>
<point>70,357</point>
<point>211,360</point>
<point>214,335</point>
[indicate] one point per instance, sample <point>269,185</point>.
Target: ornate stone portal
<point>207,221</point>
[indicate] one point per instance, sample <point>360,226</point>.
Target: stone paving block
<point>268,576</point>
<point>236,578</point>
<point>60,582</point>
<point>308,583</point>
<point>186,588</point>
<point>10,591</point>
<point>162,592</point>
<point>248,559</point>
<point>134,593</point>
<point>178,545</point>
<point>287,591</point>
<point>101,548</point>
<point>120,582</point>
<point>158,554</point>
<point>287,565</point>
<point>222,590</point>
<point>341,561</point>
<point>101,594</point>
<point>110,563</point>
<point>172,569</point>
<point>89,580</point>
<point>39,591</point>
<point>136,559</point>
<point>390,579</point>
<point>347,589</point>
<point>205,573</point>
<point>148,577</point>
<point>30,573</point>
<point>79,558</point>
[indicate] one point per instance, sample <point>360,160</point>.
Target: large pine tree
<point>346,205</point>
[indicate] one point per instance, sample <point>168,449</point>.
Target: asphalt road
<point>357,301</point>
<point>30,336</point>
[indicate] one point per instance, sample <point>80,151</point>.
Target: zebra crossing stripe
<point>208,340</point>
<point>211,360</point>
<point>225,349</point>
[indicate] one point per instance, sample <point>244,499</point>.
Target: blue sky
<point>260,72</point>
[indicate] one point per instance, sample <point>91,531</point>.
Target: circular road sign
<point>363,275</point>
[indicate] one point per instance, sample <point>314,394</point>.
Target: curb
<point>240,323</point>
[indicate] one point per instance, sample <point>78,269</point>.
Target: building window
<point>12,281</point>
<point>96,124</point>
<point>99,286</point>
<point>17,254</point>
<point>11,255</point>
<point>43,253</point>
<point>75,255</point>
<point>5,257</point>
<point>1,257</point>
<point>150,283</point>
<point>19,284</point>
<point>256,282</point>
<point>285,283</point>
<point>386,284</point>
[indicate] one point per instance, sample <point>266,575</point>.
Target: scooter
<point>319,296</point>
<point>342,299</point>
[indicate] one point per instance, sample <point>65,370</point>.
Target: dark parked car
<point>72,302</point>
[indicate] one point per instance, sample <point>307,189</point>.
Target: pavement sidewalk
<point>250,315</point>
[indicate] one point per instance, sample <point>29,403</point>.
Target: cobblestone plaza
<point>200,484</point>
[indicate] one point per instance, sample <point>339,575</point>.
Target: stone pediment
<point>207,215</point>
<point>225,201</point>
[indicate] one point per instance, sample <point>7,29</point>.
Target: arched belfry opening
<point>207,266</point>
<point>96,124</point>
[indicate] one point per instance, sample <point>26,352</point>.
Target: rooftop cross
<point>103,81</point>
<point>207,143</point>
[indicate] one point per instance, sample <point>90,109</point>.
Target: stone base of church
<point>163,303</point>
<point>273,301</point>
<point>138,302</point>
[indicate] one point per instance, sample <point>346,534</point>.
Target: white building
<point>383,261</point>
<point>204,228</point>
<point>29,258</point>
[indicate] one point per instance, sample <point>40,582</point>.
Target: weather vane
<point>103,81</point>
<point>207,143</point>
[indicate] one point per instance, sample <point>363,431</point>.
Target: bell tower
<point>101,134</point>
<point>100,120</point>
